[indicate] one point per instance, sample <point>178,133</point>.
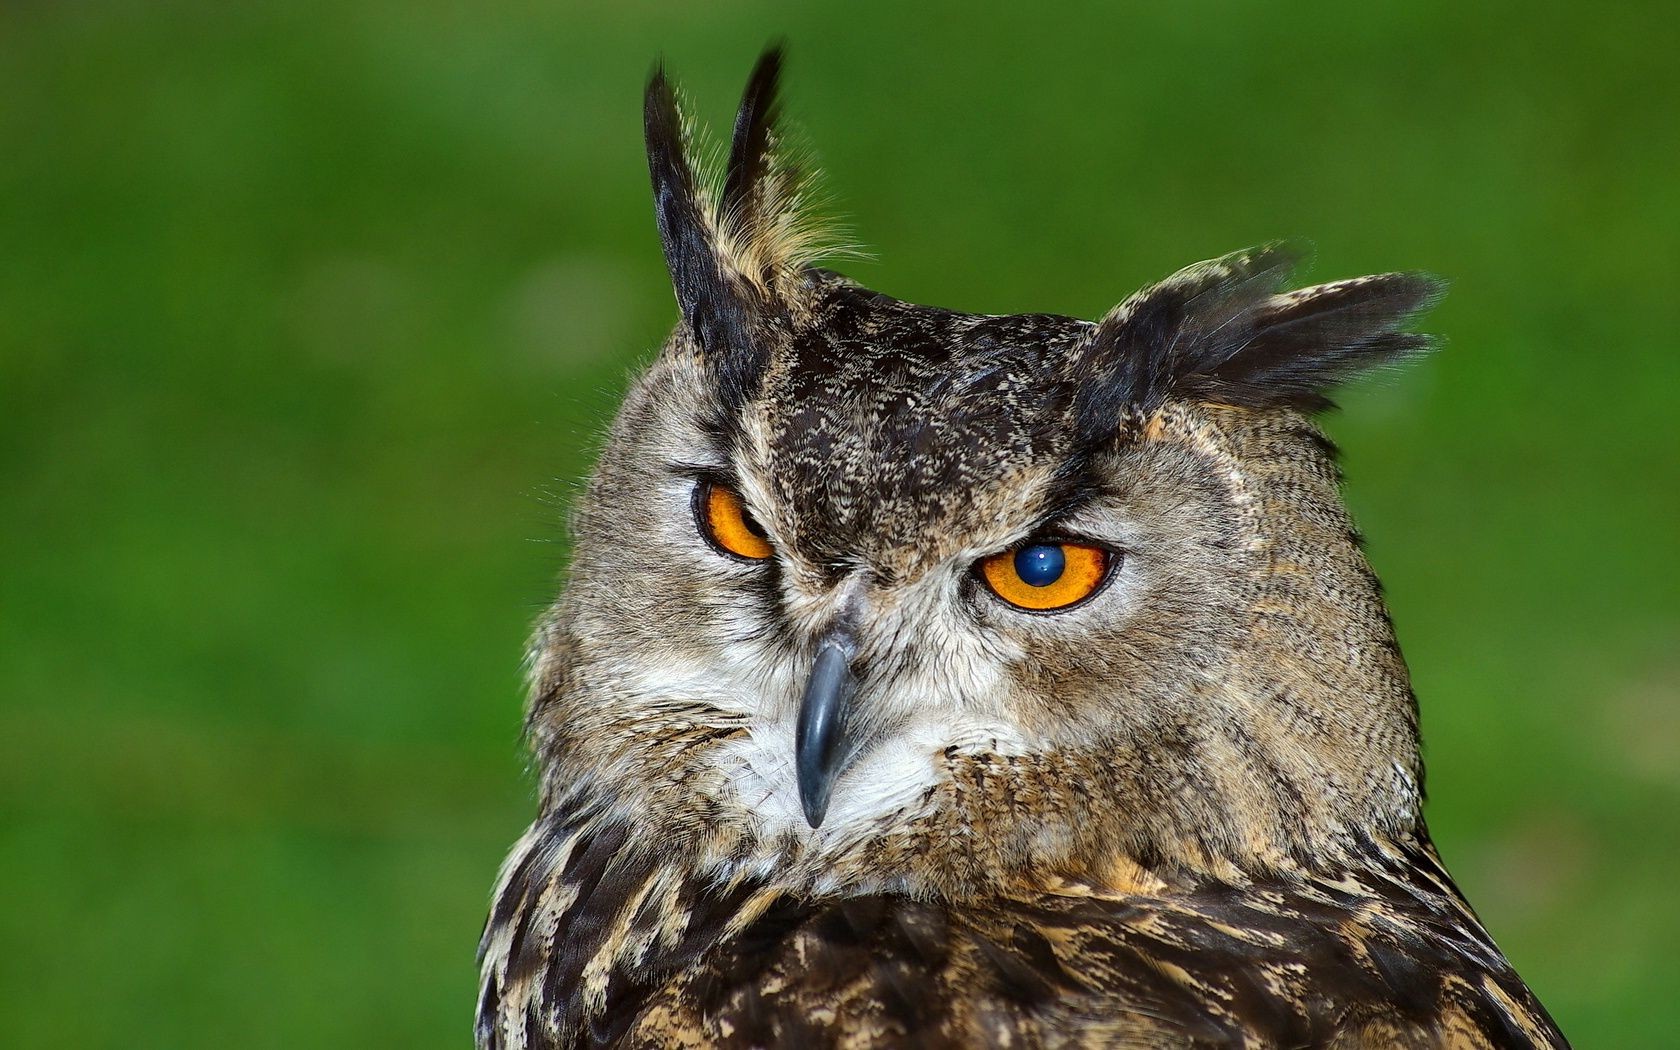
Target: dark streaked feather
<point>1385,956</point>
<point>1221,331</point>
<point>717,306</point>
<point>1304,343</point>
<point>736,246</point>
<point>751,158</point>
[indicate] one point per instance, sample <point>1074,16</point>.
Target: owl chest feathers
<point>595,941</point>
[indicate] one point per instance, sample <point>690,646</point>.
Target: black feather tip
<point>1222,331</point>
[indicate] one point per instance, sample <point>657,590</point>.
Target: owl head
<point>872,594</point>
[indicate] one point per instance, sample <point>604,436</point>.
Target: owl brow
<point>720,430</point>
<point>1072,488</point>
<point>707,472</point>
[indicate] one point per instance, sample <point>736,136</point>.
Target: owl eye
<point>1045,575</point>
<point>726,523</point>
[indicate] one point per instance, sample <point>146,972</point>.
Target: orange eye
<point>727,524</point>
<point>1042,576</point>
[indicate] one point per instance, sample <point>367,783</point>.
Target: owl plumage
<point>826,758</point>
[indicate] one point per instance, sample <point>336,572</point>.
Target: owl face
<point>859,583</point>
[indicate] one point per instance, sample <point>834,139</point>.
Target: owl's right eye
<point>726,523</point>
<point>1047,575</point>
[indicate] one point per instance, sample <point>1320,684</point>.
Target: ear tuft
<point>714,311</point>
<point>735,244</point>
<point>768,225</point>
<point>752,147</point>
<point>1307,342</point>
<point>1221,331</point>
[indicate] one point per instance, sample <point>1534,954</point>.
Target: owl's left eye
<point>1047,575</point>
<point>726,523</point>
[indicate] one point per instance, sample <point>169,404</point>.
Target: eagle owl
<point>930,679</point>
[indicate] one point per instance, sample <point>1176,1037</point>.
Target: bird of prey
<point>931,679</point>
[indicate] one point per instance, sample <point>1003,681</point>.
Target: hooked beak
<point>821,746</point>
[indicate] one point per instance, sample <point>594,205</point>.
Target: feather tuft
<point>1223,331</point>
<point>738,236</point>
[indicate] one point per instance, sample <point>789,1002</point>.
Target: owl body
<point>936,679</point>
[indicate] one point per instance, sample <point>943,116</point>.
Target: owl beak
<point>822,749</point>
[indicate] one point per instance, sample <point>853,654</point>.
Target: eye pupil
<point>751,524</point>
<point>1041,564</point>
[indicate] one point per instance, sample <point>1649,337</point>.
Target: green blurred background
<point>310,314</point>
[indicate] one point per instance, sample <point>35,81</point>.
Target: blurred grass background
<point>309,314</point>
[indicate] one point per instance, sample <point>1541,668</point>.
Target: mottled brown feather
<point>1390,955</point>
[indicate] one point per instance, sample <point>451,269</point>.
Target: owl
<point>931,679</point>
